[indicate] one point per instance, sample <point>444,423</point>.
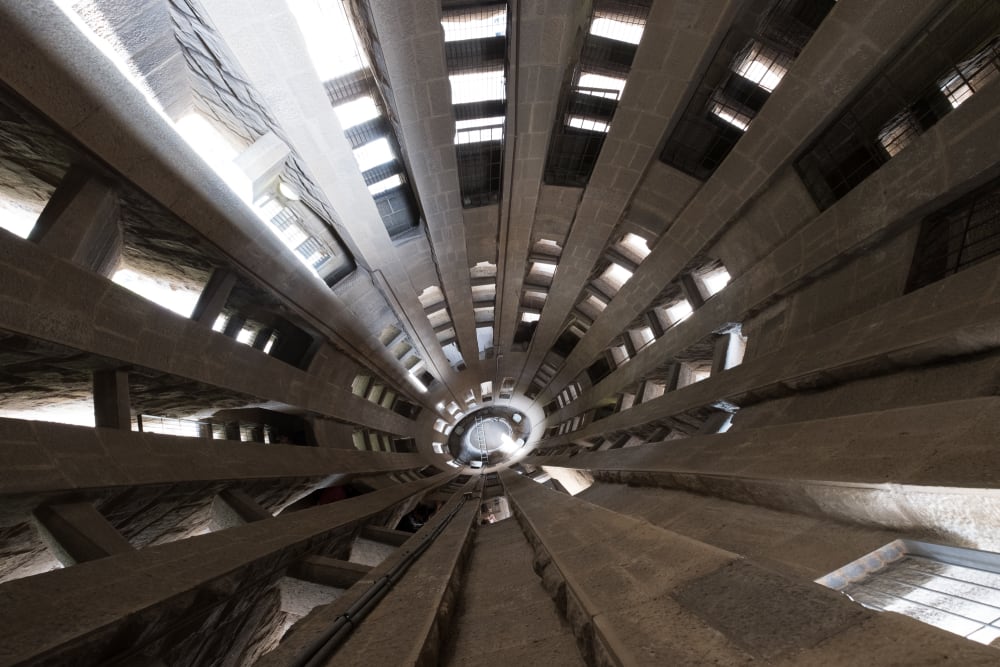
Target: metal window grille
<point>957,590</point>
<point>476,50</point>
<point>748,66</point>
<point>922,84</point>
<point>960,236</point>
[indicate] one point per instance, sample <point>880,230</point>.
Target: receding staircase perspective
<point>505,616</point>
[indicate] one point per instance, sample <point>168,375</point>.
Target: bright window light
<point>293,235</point>
<point>679,311</point>
<point>438,447</point>
<point>178,299</point>
<point>642,337</point>
<point>477,87</point>
<point>474,24</point>
<point>373,154</point>
<point>530,317</point>
<point>609,86</point>
<point>329,37</point>
<point>606,24</point>
<point>484,337</point>
<point>616,275</point>
<point>544,268</point>
<point>220,323</point>
<point>354,113</point>
<point>619,354</point>
<point>270,343</point>
<point>479,129</point>
<point>216,151</point>
<point>245,336</point>
<point>715,281</point>
<point>478,122</point>
<point>17,217</point>
<point>636,245</point>
<point>970,75</point>
<point>78,413</point>
<point>762,66</point>
<point>735,118</point>
<point>385,184</point>
<point>595,303</point>
<point>588,124</point>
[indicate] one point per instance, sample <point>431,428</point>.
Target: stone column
<point>112,405</point>
<point>77,532</point>
<point>80,223</point>
<point>213,298</point>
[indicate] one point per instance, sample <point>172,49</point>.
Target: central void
<point>489,435</point>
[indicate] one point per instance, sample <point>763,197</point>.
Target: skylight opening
<point>737,119</point>
<point>386,184</point>
<point>620,354</point>
<point>596,304</point>
<point>600,85</point>
<point>484,338</point>
<point>544,268</point>
<point>172,297</point>
<point>479,135</point>
<point>329,36</point>
<point>354,113</point>
<point>679,311</point>
<point>530,317</point>
<point>763,66</point>
<point>438,447</point>
<point>245,336</point>
<point>373,154</point>
<point>587,124</point>
<point>617,27</point>
<point>637,245</point>
<point>715,281</point>
<point>477,23</point>
<point>616,276</point>
<point>642,337</point>
<point>478,87</point>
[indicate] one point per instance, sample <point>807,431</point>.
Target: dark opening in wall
<point>599,370</point>
<point>476,54</point>
<point>756,53</point>
<point>958,236</point>
<point>588,101</point>
<point>525,332</point>
<point>565,343</point>
<point>294,345</point>
<point>946,63</point>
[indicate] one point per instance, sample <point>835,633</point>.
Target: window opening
<point>955,589</point>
